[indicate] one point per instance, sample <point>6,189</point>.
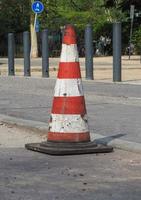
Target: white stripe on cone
<point>69,53</point>
<point>68,87</point>
<point>68,123</point>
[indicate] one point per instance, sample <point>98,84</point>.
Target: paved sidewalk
<point>131,69</point>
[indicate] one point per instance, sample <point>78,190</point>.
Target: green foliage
<point>14,15</point>
<point>50,16</point>
<point>114,15</point>
<point>137,40</point>
<point>114,11</point>
<point>81,12</point>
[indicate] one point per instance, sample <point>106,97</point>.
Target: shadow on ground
<point>106,140</point>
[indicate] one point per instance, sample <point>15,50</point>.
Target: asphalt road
<point>26,175</point>
<point>113,109</point>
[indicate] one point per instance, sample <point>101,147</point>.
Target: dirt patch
<point>12,136</point>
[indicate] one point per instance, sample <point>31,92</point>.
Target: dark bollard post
<point>117,52</point>
<point>89,52</point>
<point>11,52</point>
<point>45,54</point>
<point>26,44</point>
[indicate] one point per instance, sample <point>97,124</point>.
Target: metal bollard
<point>45,54</point>
<point>11,52</point>
<point>89,52</point>
<point>117,52</point>
<point>26,44</point>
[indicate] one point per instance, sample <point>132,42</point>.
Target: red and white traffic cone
<point>68,119</point>
<point>68,129</point>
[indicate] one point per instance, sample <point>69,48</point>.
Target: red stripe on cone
<point>69,70</point>
<point>69,35</point>
<point>69,137</point>
<point>69,105</point>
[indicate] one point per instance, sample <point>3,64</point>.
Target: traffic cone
<point>68,129</point>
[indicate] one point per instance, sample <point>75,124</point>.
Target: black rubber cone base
<point>71,148</point>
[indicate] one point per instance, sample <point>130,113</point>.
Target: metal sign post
<point>132,10</point>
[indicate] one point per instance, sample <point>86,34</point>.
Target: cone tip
<point>69,35</point>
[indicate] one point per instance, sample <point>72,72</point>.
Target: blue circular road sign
<point>37,7</point>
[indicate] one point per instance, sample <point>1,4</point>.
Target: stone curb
<point>133,82</point>
<point>41,126</point>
